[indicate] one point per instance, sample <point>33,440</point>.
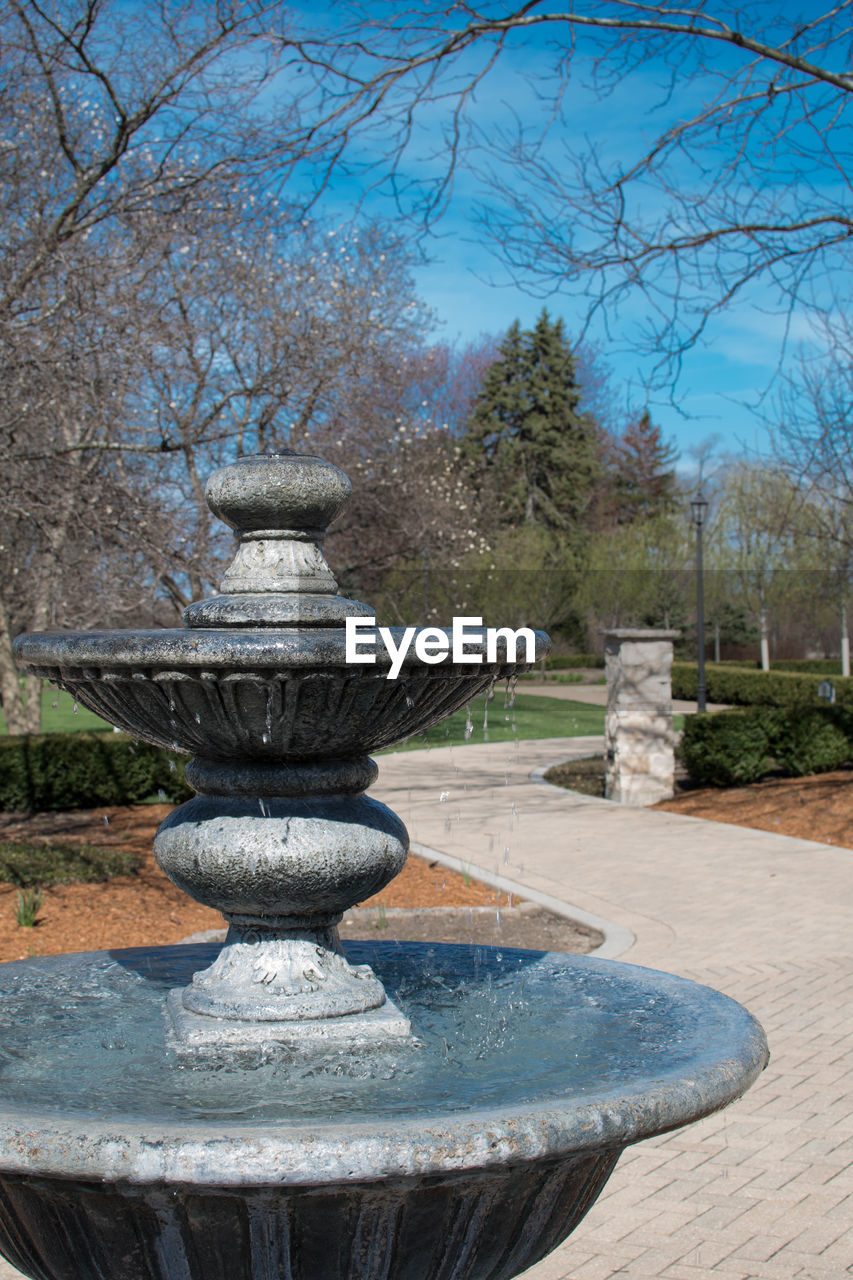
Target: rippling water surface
<point>492,1027</point>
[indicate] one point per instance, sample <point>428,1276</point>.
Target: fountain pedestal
<point>282,869</point>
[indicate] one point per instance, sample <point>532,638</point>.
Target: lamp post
<point>699,510</point>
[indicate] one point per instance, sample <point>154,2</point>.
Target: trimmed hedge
<point>811,740</point>
<point>745,687</point>
<point>725,749</point>
<point>566,662</point>
<point>813,666</point>
<point>730,748</point>
<point>84,771</point>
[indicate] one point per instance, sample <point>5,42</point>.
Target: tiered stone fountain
<point>282,1106</point>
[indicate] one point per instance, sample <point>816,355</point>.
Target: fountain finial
<point>280,506</point>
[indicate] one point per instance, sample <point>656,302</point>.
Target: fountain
<point>283,1106</point>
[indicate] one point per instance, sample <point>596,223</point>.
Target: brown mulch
<point>147,909</point>
<point>816,808</point>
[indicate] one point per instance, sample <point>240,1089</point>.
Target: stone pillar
<point>639,740</point>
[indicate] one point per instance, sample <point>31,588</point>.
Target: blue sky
<point>720,389</point>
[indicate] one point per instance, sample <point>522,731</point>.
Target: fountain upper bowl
<point>287,695</point>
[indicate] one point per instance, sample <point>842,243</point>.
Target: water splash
<point>270,694</point>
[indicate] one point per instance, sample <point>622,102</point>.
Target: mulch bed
<point>816,808</point>
<point>147,909</point>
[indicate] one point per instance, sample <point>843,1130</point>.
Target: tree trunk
<point>845,641</point>
<point>765,640</point>
<point>21,699</point>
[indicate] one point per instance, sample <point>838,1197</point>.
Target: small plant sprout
<point>28,906</point>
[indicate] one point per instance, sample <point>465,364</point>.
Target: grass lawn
<point>530,717</point>
<point>58,714</point>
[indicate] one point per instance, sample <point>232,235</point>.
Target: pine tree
<point>642,482</point>
<point>531,450</point>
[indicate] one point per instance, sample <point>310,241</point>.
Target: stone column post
<point>639,740</point>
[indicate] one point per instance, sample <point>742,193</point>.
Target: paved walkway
<point>764,1191</point>
<point>595,695</point>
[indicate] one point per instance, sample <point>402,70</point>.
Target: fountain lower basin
<point>467,1152</point>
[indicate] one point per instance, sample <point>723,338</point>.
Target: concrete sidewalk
<point>763,1191</point>
<point>595,695</point>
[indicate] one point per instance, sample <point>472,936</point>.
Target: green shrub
<point>726,749</point>
<point>85,771</point>
<point>26,863</point>
<point>810,741</point>
<point>733,747</point>
<point>746,687</point>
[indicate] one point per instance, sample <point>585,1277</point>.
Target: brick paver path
<point>763,1191</point>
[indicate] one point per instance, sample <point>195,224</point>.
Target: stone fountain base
<point>196,1038</point>
<point>468,1151</point>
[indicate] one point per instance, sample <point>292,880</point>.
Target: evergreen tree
<point>531,450</point>
<point>642,481</point>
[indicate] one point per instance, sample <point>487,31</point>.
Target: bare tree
<point>739,181</point>
<point>813,444</point>
<point>150,316</point>
<point>760,540</point>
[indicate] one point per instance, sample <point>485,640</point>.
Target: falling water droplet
<point>172,766</point>
<point>75,709</point>
<point>444,797</point>
<point>506,854</point>
<point>469,723</point>
<point>54,705</point>
<point>106,820</point>
<point>161,795</point>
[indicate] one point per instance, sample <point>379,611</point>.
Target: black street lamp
<point>699,510</point>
